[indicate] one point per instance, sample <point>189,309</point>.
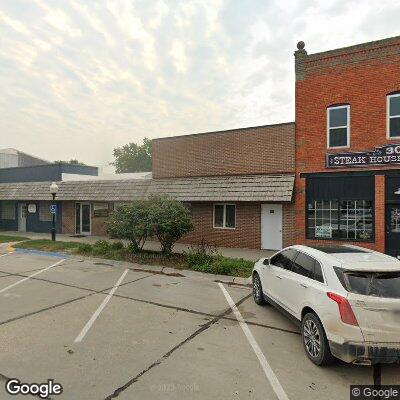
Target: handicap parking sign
<point>53,209</point>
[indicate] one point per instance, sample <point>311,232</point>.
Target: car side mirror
<point>267,261</point>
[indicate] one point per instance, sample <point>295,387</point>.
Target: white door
<point>271,226</point>
<point>22,217</point>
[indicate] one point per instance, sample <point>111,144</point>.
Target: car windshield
<point>379,284</point>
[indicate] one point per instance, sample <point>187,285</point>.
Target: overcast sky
<point>80,77</point>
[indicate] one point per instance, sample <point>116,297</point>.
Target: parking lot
<point>107,330</point>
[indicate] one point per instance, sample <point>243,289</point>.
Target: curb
<point>155,269</point>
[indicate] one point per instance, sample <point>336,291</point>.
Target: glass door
<point>78,218</point>
<point>393,230</point>
<point>83,219</point>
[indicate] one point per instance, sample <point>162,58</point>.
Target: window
<point>304,265</point>
<point>44,212</point>
<point>284,259</point>
<point>307,266</point>
<point>318,276</point>
<point>7,209</point>
<point>225,216</point>
<point>393,113</point>
<point>378,284</point>
<point>335,219</point>
<point>338,126</point>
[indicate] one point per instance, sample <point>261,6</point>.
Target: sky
<point>81,77</point>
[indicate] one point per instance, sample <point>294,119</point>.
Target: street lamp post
<point>53,191</point>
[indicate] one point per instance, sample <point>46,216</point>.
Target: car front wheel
<point>257,290</point>
<point>315,341</point>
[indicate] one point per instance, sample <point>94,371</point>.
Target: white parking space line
<point>88,325</point>
<point>269,373</point>
<point>31,276</point>
<point>6,254</point>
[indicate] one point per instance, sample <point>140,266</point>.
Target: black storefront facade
<point>360,207</point>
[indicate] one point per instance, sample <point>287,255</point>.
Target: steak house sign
<point>380,156</point>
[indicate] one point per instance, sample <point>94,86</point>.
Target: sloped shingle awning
<point>259,188</point>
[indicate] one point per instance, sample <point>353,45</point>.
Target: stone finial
<point>301,45</point>
<point>300,55</point>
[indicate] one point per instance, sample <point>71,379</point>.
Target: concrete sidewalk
<point>247,254</point>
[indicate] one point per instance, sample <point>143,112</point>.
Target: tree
<point>170,221</point>
<point>133,157</point>
<point>131,222</point>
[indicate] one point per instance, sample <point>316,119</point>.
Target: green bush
<point>170,220</point>
<point>200,255</point>
<point>84,248</point>
<point>116,245</point>
<point>232,266</point>
<point>101,248</point>
<point>131,222</point>
<point>225,266</point>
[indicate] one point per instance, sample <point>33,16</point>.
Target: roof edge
<point>225,131</point>
<point>355,48</point>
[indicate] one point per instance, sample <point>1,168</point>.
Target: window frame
<point>338,239</point>
<point>388,116</point>
<point>315,262</point>
<point>224,216</point>
<point>12,205</point>
<point>44,206</point>
<point>328,128</point>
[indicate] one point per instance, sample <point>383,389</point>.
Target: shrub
<point>84,248</point>
<point>232,266</point>
<point>116,245</point>
<point>101,247</point>
<point>225,266</point>
<point>201,254</point>
<point>131,222</point>
<point>170,220</point>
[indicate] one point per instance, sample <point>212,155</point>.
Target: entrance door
<point>271,226</point>
<point>393,230</point>
<point>22,217</point>
<point>83,218</point>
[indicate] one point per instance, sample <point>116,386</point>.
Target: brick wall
<point>68,217</point>
<point>248,226</point>
<point>361,76</point>
<point>288,229</point>
<point>68,220</point>
<point>258,150</point>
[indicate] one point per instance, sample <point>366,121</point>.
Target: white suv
<point>345,298</point>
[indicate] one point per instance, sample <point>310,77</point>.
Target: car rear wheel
<point>315,341</point>
<point>258,295</point>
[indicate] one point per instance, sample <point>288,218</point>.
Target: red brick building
<point>348,145</point>
<point>255,170</point>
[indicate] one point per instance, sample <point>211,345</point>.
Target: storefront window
<point>7,210</point>
<point>395,220</point>
<point>44,212</point>
<point>335,219</point>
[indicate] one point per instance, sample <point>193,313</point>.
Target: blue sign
<point>53,209</point>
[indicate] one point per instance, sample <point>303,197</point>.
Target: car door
<point>303,284</point>
<point>278,265</point>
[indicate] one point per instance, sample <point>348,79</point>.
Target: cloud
<point>80,78</point>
